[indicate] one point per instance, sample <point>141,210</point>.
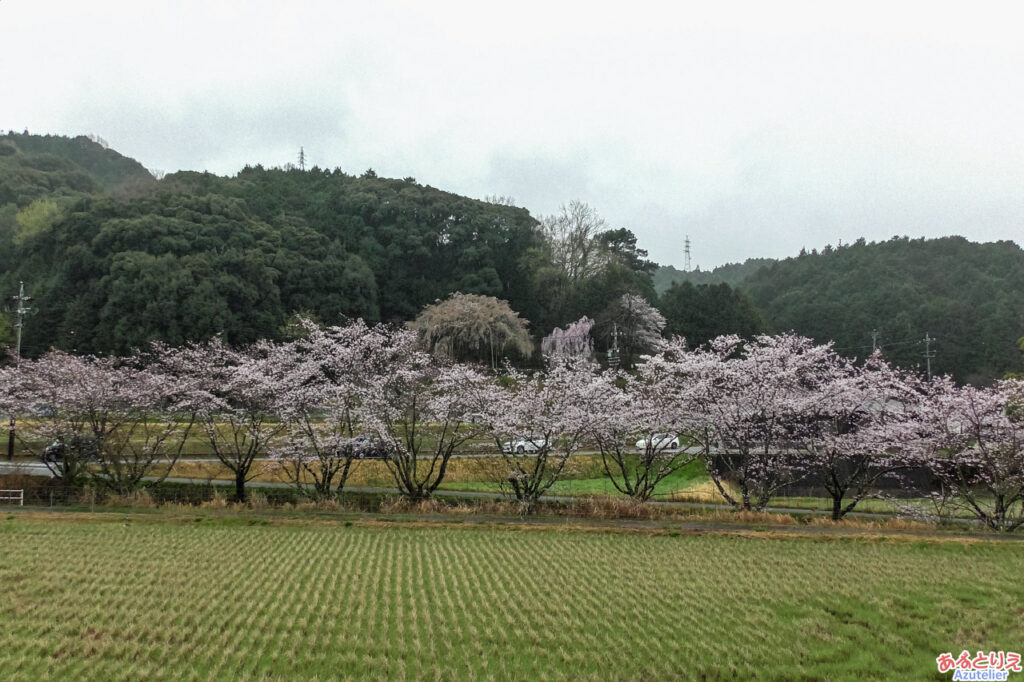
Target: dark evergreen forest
<point>115,258</point>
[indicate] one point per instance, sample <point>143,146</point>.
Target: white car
<point>523,444</point>
<point>659,441</point>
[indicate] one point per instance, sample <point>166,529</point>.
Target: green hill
<point>732,274</point>
<point>965,295</point>
<point>195,254</point>
<point>35,165</point>
<point>115,259</point>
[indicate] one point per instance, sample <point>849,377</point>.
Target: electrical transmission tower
<point>686,254</point>
<point>302,158</point>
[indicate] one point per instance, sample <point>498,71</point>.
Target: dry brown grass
<point>320,505</point>
<point>871,524</point>
<point>375,473</point>
<point>600,507</point>
<point>436,506</point>
<point>761,517</point>
<point>704,492</point>
<point>218,501</point>
<point>137,499</point>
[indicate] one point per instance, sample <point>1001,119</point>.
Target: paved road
<point>27,468</point>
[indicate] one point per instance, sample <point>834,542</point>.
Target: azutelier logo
<point>994,665</point>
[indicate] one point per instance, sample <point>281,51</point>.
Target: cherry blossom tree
<point>572,342</point>
<point>639,424</point>
<point>417,410</point>
<point>551,413</point>
<point>235,395</point>
<point>156,423</point>
<point>322,403</point>
<point>854,427</point>
<point>638,323</point>
<point>103,418</point>
<point>71,403</point>
<point>748,401</point>
<point>973,439</point>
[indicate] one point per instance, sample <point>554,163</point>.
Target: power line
<point>883,346</point>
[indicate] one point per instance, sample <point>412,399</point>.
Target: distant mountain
<point>35,165</point>
<point>964,295</point>
<point>731,273</point>
<point>116,259</point>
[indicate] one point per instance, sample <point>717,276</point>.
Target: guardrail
<point>11,496</point>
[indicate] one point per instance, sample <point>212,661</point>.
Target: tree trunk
<point>240,487</point>
<point>837,507</point>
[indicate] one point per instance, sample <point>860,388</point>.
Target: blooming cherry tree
<point>552,411</point>
<point>639,325</point>
<point>101,417</point>
<point>854,427</point>
<point>235,395</point>
<point>973,439</point>
<point>639,424</point>
<point>572,342</point>
<point>323,401</point>
<point>417,410</point>
<point>748,402</point>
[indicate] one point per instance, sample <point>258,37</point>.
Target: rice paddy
<point>204,596</point>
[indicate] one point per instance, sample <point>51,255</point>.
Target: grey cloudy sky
<point>756,128</point>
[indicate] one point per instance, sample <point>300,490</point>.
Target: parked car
<point>531,443</point>
<point>83,448</point>
<point>659,441</point>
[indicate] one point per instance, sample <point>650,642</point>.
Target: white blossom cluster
<point>762,414</point>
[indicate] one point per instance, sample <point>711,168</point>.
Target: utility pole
<point>21,310</point>
<point>874,341</point>
<point>613,351</point>
<point>302,158</point>
<point>928,354</point>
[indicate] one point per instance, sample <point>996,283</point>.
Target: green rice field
<point>236,595</point>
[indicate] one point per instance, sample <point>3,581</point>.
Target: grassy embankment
<point>583,476</point>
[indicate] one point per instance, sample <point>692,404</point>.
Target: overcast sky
<point>756,129</point>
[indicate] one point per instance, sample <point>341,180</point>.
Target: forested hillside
<point>115,259</point>
<point>732,274</point>
<point>40,155</point>
<point>195,254</point>
<point>205,255</point>
<point>966,296</point>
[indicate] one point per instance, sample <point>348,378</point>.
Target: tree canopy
<point>471,326</point>
<point>115,258</point>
